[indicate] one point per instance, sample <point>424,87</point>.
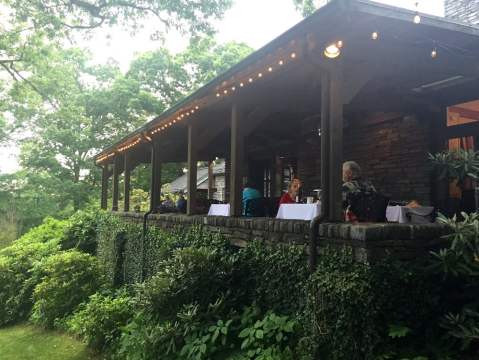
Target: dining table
<point>219,210</point>
<point>299,211</point>
<point>409,215</point>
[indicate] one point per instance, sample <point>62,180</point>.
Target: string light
<point>339,44</point>
<point>179,117</point>
<point>434,53</point>
<point>374,35</point>
<point>126,147</point>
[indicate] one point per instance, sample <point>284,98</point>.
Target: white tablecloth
<point>219,210</point>
<point>400,214</point>
<point>299,211</point>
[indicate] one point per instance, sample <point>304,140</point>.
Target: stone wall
<point>392,151</point>
<point>466,11</point>
<point>369,242</point>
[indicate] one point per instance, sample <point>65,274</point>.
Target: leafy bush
<point>275,276</point>
<point>16,264</point>
<point>198,275</point>
<point>82,232</point>
<point>50,230</point>
<point>459,267</point>
<point>99,321</point>
<point>67,279</point>
<point>269,338</point>
<point>111,248</point>
<point>352,305</point>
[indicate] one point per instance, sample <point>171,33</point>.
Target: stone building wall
<point>392,151</point>
<point>368,242</point>
<point>466,11</point>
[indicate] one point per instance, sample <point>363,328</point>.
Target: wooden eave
<point>339,17</point>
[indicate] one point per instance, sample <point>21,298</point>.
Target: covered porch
<point>355,81</point>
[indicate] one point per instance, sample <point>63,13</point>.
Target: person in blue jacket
<point>249,193</point>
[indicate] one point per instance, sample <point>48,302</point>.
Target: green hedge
<point>354,309</point>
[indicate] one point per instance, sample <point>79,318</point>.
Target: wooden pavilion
<point>356,80</point>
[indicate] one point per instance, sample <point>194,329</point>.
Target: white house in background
<point>179,185</point>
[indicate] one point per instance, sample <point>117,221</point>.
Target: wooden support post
<point>104,187</point>
<point>335,145</point>
<point>191,178</point>
<point>211,180</point>
<point>155,185</point>
<point>237,158</point>
<point>127,169</point>
<point>325,137</point>
<point>116,179</point>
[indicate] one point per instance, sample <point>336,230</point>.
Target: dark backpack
<point>368,206</point>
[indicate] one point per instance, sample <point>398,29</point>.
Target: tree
<point>77,109</point>
<point>65,15</point>
<point>26,25</point>
<point>306,7</point>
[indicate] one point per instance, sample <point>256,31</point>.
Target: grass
<point>25,342</point>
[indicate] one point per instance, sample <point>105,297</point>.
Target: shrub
<point>275,276</point>
<point>50,230</point>
<point>67,279</point>
<point>198,275</point>
<point>111,247</point>
<point>352,306</point>
<point>147,339</point>
<point>82,232</point>
<point>16,264</point>
<point>269,338</point>
<point>458,265</point>
<point>99,321</point>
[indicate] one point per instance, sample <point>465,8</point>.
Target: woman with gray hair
<point>353,181</point>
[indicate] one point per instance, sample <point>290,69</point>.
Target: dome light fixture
<point>332,51</point>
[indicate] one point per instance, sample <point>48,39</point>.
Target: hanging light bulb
<point>332,51</point>
<point>434,53</point>
<point>339,44</point>
<point>374,35</point>
<point>417,17</point>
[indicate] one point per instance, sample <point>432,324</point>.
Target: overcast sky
<point>255,22</point>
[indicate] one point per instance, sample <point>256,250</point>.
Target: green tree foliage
<point>306,7</point>
<point>75,109</point>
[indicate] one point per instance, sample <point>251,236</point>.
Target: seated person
<point>168,203</point>
<point>289,197</point>
<point>181,203</point>
<point>354,185</point>
<point>249,193</point>
<point>353,181</point>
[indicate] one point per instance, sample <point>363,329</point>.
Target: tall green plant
<point>456,165</point>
